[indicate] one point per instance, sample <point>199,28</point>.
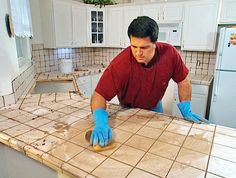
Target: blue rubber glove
<point>186,112</point>
<point>158,107</point>
<point>101,133</point>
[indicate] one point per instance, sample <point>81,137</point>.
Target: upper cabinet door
<point>79,19</point>
<point>172,12</point>
<point>130,13</point>
<point>228,12</point>
<point>200,25</point>
<point>114,27</point>
<point>164,13</point>
<point>96,26</point>
<point>63,23</point>
<point>152,11</point>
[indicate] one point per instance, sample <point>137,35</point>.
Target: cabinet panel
<point>173,12</point>
<point>84,84</point>
<point>198,105</point>
<point>114,27</point>
<point>130,13</point>
<point>198,100</point>
<point>96,26</point>
<point>79,19</point>
<point>152,11</point>
<point>200,26</point>
<point>163,13</point>
<point>63,23</point>
<point>95,78</point>
<point>85,89</point>
<point>228,11</point>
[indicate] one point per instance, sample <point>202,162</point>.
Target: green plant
<point>100,2</point>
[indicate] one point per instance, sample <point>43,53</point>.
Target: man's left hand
<point>186,112</point>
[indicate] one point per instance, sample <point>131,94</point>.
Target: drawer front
<point>196,89</point>
<point>200,89</point>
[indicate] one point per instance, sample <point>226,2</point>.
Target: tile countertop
<point>50,128</point>
<point>95,69</point>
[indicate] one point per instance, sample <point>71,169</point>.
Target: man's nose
<point>139,51</point>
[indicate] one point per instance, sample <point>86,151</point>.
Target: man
<point>139,76</point>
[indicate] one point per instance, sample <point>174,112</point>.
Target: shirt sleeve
<point>108,84</point>
<point>180,69</point>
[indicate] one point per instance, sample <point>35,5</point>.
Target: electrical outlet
<point>198,62</point>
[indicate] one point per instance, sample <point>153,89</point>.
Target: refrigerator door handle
<point>217,80</point>
<point>220,47</point>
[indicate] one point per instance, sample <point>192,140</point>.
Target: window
<point>23,51</point>
<point>21,19</point>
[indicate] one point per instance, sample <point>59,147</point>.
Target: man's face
<point>143,49</point>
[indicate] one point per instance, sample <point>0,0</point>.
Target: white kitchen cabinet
<point>96,26</point>
<point>228,12</point>
<point>130,13</point>
<point>200,25</point>
<point>79,21</point>
<point>114,27</point>
<point>164,12</point>
<point>198,101</point>
<point>64,23</point>
<point>85,86</point>
<point>94,79</point>
<point>172,12</point>
<point>56,23</point>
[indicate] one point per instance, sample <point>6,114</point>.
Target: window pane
<point>19,47</point>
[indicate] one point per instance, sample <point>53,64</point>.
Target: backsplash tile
<point>47,60</point>
<point>20,86</point>
<point>198,62</point>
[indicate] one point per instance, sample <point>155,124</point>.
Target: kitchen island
<point>50,128</point>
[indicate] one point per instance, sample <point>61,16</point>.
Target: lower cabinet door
<point>198,105</point>
<point>85,89</point>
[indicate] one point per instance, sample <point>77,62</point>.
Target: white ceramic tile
<point>183,171</point>
<point>112,168</point>
<point>155,164</point>
<point>221,167</point>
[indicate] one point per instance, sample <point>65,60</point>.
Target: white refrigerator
<point>223,101</point>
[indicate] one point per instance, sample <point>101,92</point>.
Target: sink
<point>53,86</point>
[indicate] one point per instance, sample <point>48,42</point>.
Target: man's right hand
<point>101,133</point>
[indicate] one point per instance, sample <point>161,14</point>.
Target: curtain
<point>21,18</point>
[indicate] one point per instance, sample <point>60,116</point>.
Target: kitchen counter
<point>200,79</point>
<point>95,69</point>
<point>50,128</point>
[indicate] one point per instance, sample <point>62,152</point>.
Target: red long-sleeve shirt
<point>137,85</point>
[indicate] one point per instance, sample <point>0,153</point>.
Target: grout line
<point>209,156</point>
<point>179,150</point>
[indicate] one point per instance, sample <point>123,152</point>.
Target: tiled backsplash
<point>199,62</point>
<point>20,86</point>
<point>47,60</point>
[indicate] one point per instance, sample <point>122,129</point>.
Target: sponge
<point>99,148</point>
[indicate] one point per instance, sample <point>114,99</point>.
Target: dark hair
<point>144,26</point>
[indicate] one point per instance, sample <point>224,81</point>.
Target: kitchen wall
<point>14,82</point>
<point>8,59</point>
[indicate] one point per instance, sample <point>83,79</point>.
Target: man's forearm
<point>184,90</point>
<point>97,101</point>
